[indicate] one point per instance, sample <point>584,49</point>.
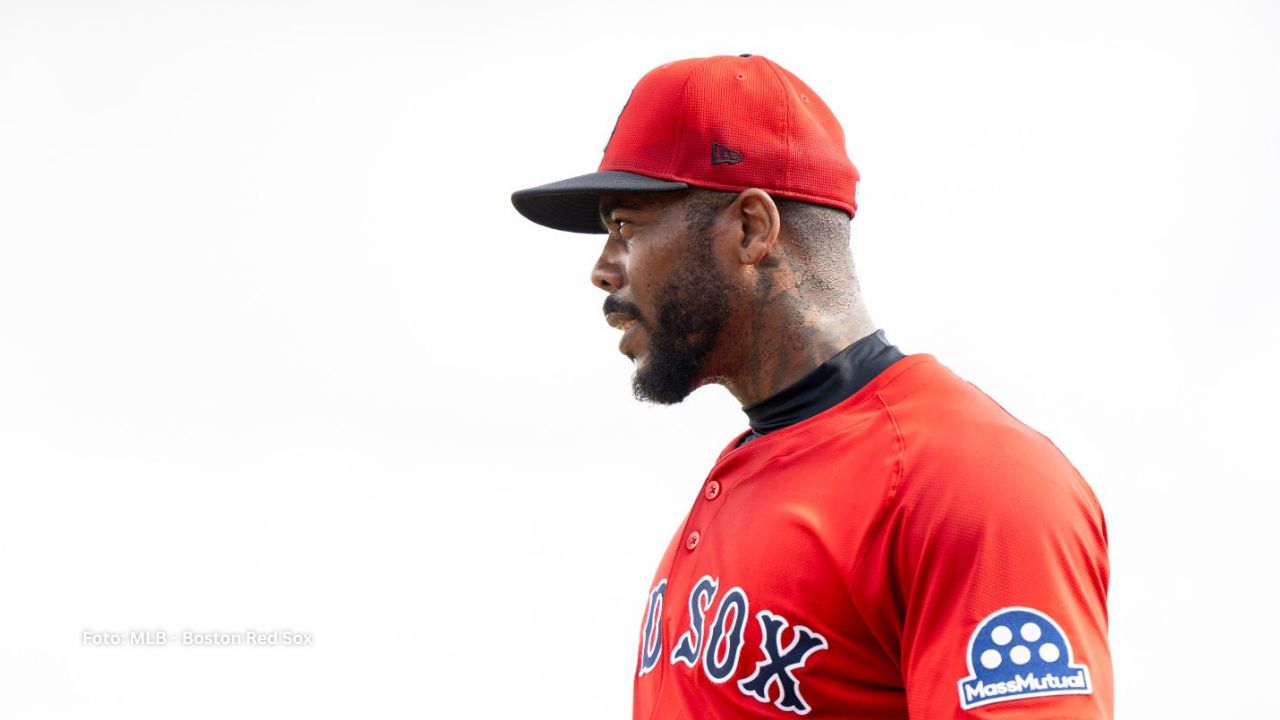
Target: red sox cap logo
<point>719,655</point>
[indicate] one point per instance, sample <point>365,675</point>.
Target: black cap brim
<point>573,205</point>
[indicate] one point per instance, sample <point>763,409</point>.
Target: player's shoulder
<point>959,444</point>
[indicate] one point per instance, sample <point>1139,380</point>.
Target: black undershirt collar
<point>824,387</point>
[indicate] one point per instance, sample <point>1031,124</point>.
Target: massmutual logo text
<point>1019,652</point>
<point>977,691</point>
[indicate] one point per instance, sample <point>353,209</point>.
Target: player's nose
<point>607,273</point>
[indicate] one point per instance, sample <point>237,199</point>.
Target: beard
<point>694,310</point>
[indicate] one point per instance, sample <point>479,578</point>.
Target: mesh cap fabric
<point>728,122</point>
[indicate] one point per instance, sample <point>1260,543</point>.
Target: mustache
<point>613,305</point>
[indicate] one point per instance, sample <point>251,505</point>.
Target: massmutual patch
<point>1016,653</point>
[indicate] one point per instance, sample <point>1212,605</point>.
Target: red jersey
<point>913,552</point>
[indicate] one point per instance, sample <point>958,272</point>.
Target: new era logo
<point>724,155</point>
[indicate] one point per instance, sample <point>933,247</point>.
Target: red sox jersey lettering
<point>722,654</point>
<point>913,552</point>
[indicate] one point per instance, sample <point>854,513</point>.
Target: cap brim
<point>573,205</point>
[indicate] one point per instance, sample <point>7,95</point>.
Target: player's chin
<point>663,384</point>
<point>657,395</point>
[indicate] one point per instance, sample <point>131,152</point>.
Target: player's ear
<point>760,225</point>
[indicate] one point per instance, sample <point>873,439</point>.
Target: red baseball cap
<point>729,122</point>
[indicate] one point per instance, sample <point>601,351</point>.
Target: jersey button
<point>691,542</point>
<point>713,490</point>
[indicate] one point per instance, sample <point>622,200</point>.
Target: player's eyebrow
<point>607,208</point>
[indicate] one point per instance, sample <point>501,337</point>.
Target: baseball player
<point>884,541</point>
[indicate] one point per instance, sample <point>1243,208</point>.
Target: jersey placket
<point>689,563</point>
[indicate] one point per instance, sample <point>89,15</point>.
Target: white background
<point>276,352</point>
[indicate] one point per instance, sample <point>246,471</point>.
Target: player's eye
<point>623,227</point>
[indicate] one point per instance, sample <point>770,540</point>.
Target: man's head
<point>726,194</point>
<point>667,291</point>
<point>689,275</point>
